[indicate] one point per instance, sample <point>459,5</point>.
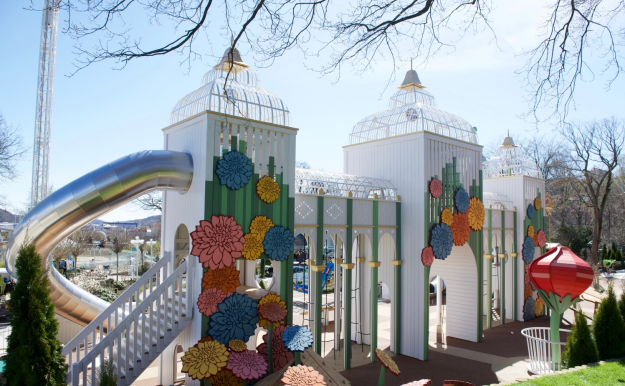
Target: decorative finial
<point>231,40</point>
<point>411,63</point>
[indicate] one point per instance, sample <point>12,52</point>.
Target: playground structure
<point>411,171</point>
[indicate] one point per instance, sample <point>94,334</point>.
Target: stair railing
<point>109,319</point>
<point>144,332</point>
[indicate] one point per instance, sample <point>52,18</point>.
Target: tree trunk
<point>117,270</point>
<point>596,236</point>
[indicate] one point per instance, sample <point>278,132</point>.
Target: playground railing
<point>539,347</point>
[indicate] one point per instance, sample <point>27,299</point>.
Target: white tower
<point>45,92</point>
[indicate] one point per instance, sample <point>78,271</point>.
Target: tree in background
<point>580,347</point>
<point>150,201</point>
<point>34,354</point>
<point>118,243</point>
<point>11,150</point>
<point>609,328</point>
<point>60,252</point>
<point>79,243</point>
<point>574,237</point>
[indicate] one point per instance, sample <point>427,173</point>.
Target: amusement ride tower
<point>45,93</point>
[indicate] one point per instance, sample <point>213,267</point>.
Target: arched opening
<point>181,245</point>
<point>437,303</point>
<point>178,374</point>
<point>386,293</point>
<point>361,291</point>
<point>265,273</point>
<point>302,275</point>
<point>460,303</point>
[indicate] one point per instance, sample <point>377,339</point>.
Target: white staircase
<point>135,328</point>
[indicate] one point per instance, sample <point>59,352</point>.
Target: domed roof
<point>411,109</point>
<point>232,87</point>
<point>510,160</point>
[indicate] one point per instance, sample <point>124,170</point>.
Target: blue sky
<point>101,114</point>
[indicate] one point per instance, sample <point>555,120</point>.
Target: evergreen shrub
<point>609,328</point>
<point>580,348</point>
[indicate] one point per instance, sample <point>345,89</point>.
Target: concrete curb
<point>571,370</point>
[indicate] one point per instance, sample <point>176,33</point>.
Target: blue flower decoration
<point>529,309</point>
<point>234,170</point>
<point>278,243</point>
<point>461,199</point>
<point>531,211</point>
<point>236,318</point>
<point>441,241</point>
<point>297,338</point>
<point>528,250</point>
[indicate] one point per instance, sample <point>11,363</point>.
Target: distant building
<point>120,225</point>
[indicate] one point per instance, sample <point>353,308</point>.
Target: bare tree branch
<point>11,150</point>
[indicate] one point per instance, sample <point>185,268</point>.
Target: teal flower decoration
<point>528,250</point>
<point>236,318</point>
<point>441,240</point>
<point>297,338</point>
<point>278,243</point>
<point>461,199</point>
<point>531,211</point>
<point>234,170</point>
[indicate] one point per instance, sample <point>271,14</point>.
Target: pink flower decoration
<point>217,243</point>
<point>542,239</point>
<point>423,382</point>
<point>273,312</point>
<point>427,256</point>
<point>302,376</point>
<point>436,188</point>
<point>281,356</point>
<point>247,365</point>
<point>209,299</point>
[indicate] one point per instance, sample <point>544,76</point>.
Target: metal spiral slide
<point>86,199</point>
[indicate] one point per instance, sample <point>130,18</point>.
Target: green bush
<point>609,328</point>
<point>103,293</point>
<point>33,354</point>
<point>621,305</point>
<point>580,347</point>
<point>107,374</point>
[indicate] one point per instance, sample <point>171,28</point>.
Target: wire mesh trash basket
<point>539,347</point>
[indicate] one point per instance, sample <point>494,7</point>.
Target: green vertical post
<point>347,293</point>
<point>426,276</point>
<point>515,262</point>
<point>374,283</point>
<point>489,272</point>
<point>318,275</point>
<point>397,313</point>
<point>502,288</point>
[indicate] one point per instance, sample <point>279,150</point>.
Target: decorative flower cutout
<point>253,247</point>
<point>237,345</point>
<point>217,243</point>
<point>422,382</point>
<point>387,362</point>
<point>234,170</point>
<point>530,231</point>
<point>530,211</point>
<point>247,365</point>
<point>281,356</point>
<point>542,239</point>
<point>476,214</point>
<point>529,309</point>
<point>528,290</point>
<point>236,318</point>
<point>278,243</point>
<point>204,359</point>
<point>527,274</point>
<point>272,312</point>
<point>447,217</point>
<point>302,376</point>
<point>260,225</point>
<point>540,304</point>
<point>267,189</point>
<point>535,239</point>
<point>436,188</point>
<point>270,298</point>
<point>441,240</point>
<point>538,203</point>
<point>461,199</point>
<point>460,229</point>
<point>209,299</point>
<point>297,338</point>
<point>427,256</point>
<point>528,250</point>
<point>225,279</point>
<point>225,378</point>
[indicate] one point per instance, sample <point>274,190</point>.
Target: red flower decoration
<point>542,239</point>
<point>217,243</point>
<point>209,299</point>
<point>273,312</point>
<point>460,228</point>
<point>427,256</point>
<point>436,188</point>
<point>225,279</point>
<point>247,365</point>
<point>281,356</point>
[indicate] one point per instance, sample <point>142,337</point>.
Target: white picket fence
<point>135,328</point>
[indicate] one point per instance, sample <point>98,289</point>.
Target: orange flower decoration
<point>528,290</point>
<point>302,376</point>
<point>535,238</point>
<point>460,228</point>
<point>225,279</point>
<point>539,304</point>
<point>476,214</point>
<point>387,362</point>
<point>447,217</point>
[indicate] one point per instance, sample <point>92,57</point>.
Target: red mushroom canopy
<point>562,272</point>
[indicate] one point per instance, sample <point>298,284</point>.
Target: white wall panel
<point>335,211</point>
<point>363,212</point>
<point>305,209</point>
<point>387,213</point>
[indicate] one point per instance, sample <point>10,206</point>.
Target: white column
<point>337,294</point>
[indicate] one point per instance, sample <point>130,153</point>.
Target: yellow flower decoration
<point>253,247</point>
<point>225,378</point>
<point>530,231</point>
<point>538,203</point>
<point>260,225</point>
<point>237,345</point>
<point>539,304</point>
<point>447,217</point>
<point>476,214</point>
<point>267,189</point>
<point>387,362</point>
<point>270,298</point>
<point>205,359</point>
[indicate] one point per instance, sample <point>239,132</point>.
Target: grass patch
<point>612,373</point>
